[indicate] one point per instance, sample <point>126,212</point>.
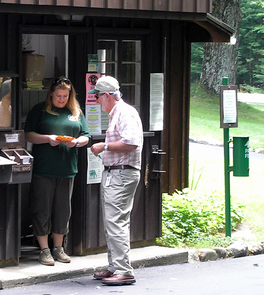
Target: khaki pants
<point>118,188</point>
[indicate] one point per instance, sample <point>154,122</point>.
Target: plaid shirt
<point>125,126</point>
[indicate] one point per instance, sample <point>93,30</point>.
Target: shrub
<point>188,218</point>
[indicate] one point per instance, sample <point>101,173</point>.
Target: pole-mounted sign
<point>228,106</point>
<point>229,119</point>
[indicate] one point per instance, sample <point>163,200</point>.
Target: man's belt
<point>118,167</point>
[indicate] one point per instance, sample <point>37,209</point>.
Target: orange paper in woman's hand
<point>64,138</point>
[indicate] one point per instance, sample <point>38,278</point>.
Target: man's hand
<point>97,148</point>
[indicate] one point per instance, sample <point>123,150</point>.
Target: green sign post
<point>228,119</point>
<point>227,183</point>
<point>226,160</point>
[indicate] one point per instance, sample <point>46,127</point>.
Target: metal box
<point>241,156</point>
<point>12,144</point>
<point>5,169</point>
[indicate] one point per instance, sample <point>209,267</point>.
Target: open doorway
<point>44,57</point>
<point>53,47</point>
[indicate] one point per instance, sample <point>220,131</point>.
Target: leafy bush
<point>188,219</point>
<point>251,89</point>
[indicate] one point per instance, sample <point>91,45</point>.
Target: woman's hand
<point>52,140</point>
<point>70,144</point>
<point>77,142</point>
<point>37,138</point>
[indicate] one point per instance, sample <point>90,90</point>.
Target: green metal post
<point>227,183</point>
<point>227,176</point>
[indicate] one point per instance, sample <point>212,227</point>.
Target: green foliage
<point>194,182</point>
<point>251,89</point>
<point>196,61</point>
<point>212,241</point>
<point>250,57</point>
<point>188,218</point>
<point>250,63</point>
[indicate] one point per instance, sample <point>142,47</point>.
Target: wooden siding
<point>197,6</point>
<point>10,212</point>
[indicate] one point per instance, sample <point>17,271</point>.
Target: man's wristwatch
<point>106,147</point>
<point>77,143</point>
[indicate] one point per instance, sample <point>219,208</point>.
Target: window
<point>131,71</point>
<point>124,63</point>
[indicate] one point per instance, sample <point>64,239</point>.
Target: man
<point>122,160</point>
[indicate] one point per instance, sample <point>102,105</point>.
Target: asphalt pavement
<point>236,276</point>
<point>30,271</point>
<point>251,98</point>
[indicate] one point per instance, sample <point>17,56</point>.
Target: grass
<point>205,126</point>
<point>205,119</point>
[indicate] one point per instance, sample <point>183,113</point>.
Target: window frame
<point>136,35</point>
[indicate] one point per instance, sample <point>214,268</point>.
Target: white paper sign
<point>156,102</point>
<point>11,138</point>
<point>95,168</point>
<point>93,117</point>
<point>229,106</point>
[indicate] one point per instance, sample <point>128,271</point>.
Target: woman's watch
<point>106,147</point>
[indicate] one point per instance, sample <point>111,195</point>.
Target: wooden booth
<point>146,45</point>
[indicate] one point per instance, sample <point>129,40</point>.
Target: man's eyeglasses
<point>99,94</point>
<point>60,80</point>
<point>111,93</point>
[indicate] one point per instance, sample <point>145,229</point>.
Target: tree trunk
<point>220,59</point>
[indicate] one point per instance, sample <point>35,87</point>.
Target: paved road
<point>211,151</point>
<point>237,276</point>
<point>251,98</point>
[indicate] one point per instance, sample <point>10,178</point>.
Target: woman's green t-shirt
<point>55,161</point>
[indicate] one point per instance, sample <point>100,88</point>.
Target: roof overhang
<point>218,30</point>
<point>209,27</point>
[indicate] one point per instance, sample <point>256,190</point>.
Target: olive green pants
<point>50,204</point>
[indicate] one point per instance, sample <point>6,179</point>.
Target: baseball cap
<point>105,84</point>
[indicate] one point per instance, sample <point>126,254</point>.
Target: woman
<point>57,128</point>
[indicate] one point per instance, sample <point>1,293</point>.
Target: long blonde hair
<point>72,103</point>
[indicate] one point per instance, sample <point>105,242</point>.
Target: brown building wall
<point>200,6</point>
